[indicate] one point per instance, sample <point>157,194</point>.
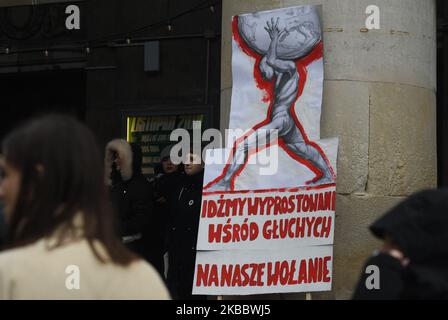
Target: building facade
<point>380,89</point>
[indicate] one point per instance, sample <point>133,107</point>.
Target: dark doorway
<point>33,93</point>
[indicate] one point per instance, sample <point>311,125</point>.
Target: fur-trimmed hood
<point>124,151</point>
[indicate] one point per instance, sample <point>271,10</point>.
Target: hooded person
<point>413,262</point>
<point>163,185</point>
<point>183,228</point>
<point>165,182</point>
<point>131,193</point>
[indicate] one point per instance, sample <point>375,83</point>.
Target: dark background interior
<point>101,86</point>
<point>33,93</point>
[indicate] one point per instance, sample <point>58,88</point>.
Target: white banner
<point>264,271</point>
<point>267,219</point>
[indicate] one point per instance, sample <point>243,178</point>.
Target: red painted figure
<point>287,86</point>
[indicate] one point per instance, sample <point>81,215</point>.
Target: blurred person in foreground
<point>413,261</point>
<point>2,224</point>
<point>2,219</point>
<point>183,230</point>
<point>58,217</point>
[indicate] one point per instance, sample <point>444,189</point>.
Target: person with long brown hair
<point>61,241</point>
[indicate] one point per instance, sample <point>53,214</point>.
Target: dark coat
<point>133,202</point>
<point>182,236</point>
<point>419,227</point>
<point>131,195</point>
<point>164,187</point>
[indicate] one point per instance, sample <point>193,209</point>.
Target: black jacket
<point>419,227</point>
<point>132,200</point>
<point>182,235</point>
<point>164,187</point>
<point>131,193</point>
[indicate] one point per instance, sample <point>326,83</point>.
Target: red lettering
<point>214,235</point>
<point>284,223</point>
<point>252,205</point>
<point>263,204</point>
<point>226,275</point>
<point>244,276</point>
<point>277,206</point>
<point>314,200</point>
<point>326,272</point>
<point>273,274</point>
<point>299,199</point>
<point>327,205</point>
<point>260,273</point>
<point>291,224</point>
<point>213,279</point>
<point>274,229</point>
<point>306,203</point>
<point>267,234</point>
<point>253,274</point>
<point>291,204</point>
<point>236,280</point>
<point>300,228</point>
<point>292,281</point>
<point>284,205</point>
<point>320,205</point>
<point>271,202</point>
<point>313,265</point>
<point>202,275</point>
<point>204,209</point>
<point>309,223</point>
<point>236,234</point>
<point>318,222</point>
<point>302,272</point>
<point>241,203</point>
<point>326,227</point>
<point>284,273</point>
<point>333,201</point>
<point>211,209</point>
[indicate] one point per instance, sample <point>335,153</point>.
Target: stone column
<point>380,100</point>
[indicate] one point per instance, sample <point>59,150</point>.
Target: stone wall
<point>380,100</point>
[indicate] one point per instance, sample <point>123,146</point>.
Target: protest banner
<point>267,219</point>
<point>268,210</point>
<point>245,272</point>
